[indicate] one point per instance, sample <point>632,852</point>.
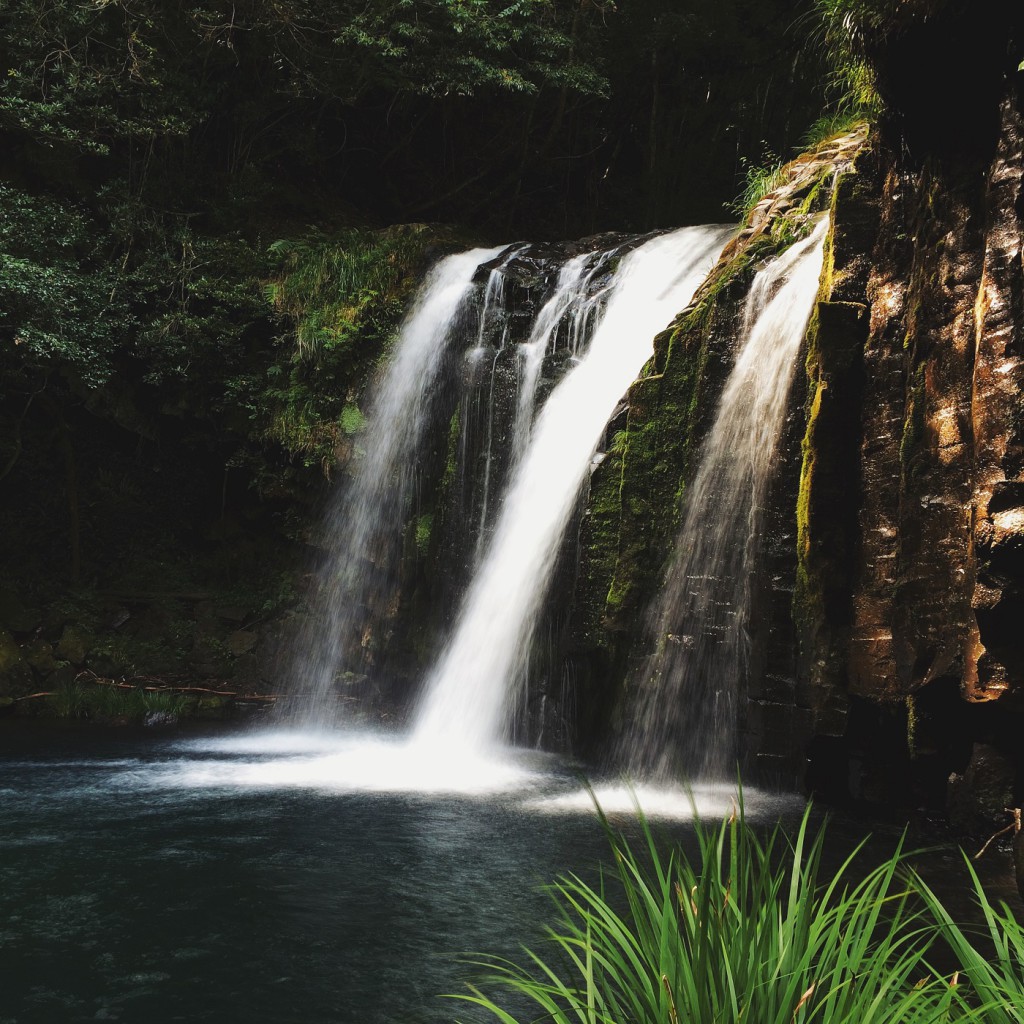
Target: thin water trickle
<point>686,705</point>
<point>570,293</point>
<point>494,304</point>
<point>468,692</point>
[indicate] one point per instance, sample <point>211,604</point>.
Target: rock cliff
<point>887,649</point>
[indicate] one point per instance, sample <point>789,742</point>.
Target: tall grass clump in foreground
<point>752,930</point>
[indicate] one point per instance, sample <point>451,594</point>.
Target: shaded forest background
<point>199,258</point>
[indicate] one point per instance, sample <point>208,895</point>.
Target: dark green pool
<point>153,877</point>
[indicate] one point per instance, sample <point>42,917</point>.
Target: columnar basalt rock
<point>877,462</point>
<point>831,484</point>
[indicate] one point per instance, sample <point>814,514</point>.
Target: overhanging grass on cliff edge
<point>752,930</point>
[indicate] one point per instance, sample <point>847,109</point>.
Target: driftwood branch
<point>157,686</point>
<point>1013,827</point>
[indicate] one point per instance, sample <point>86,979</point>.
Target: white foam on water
<point>344,763</point>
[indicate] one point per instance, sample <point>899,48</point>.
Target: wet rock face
<point>633,511</point>
<point>461,489</point>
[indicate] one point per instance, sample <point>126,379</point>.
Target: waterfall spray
<point>686,706</point>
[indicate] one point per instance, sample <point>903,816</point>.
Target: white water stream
<point>475,681</point>
<point>685,720</point>
<point>369,514</point>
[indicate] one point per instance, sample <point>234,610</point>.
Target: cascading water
<point>685,720</point>
<point>368,517</point>
<point>474,682</point>
<point>569,298</point>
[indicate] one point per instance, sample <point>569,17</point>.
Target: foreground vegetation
<point>754,928</point>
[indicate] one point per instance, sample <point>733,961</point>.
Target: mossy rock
<point>63,675</point>
<point>246,670</point>
<point>40,656</point>
<point>75,643</point>
<point>110,664</point>
<point>210,658</point>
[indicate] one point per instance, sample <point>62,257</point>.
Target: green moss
<point>672,404</point>
<point>669,410</point>
<point>819,366</point>
<point>424,529</point>
<point>825,517</point>
<point>338,289</point>
<point>451,462</point>
<point>913,728</point>
<point>599,538</point>
<point>352,419</point>
<point>807,595</point>
<point>342,298</point>
<point>698,316</point>
<point>663,434</point>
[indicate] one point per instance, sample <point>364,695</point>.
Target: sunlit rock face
<point>996,658</point>
<point>913,450</point>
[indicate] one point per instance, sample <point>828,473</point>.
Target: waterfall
<point>687,700</point>
<point>366,522</point>
<point>475,680</point>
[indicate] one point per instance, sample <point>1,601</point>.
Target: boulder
<point>15,615</point>
<point>242,641</point>
<point>74,644</point>
<point>39,654</point>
